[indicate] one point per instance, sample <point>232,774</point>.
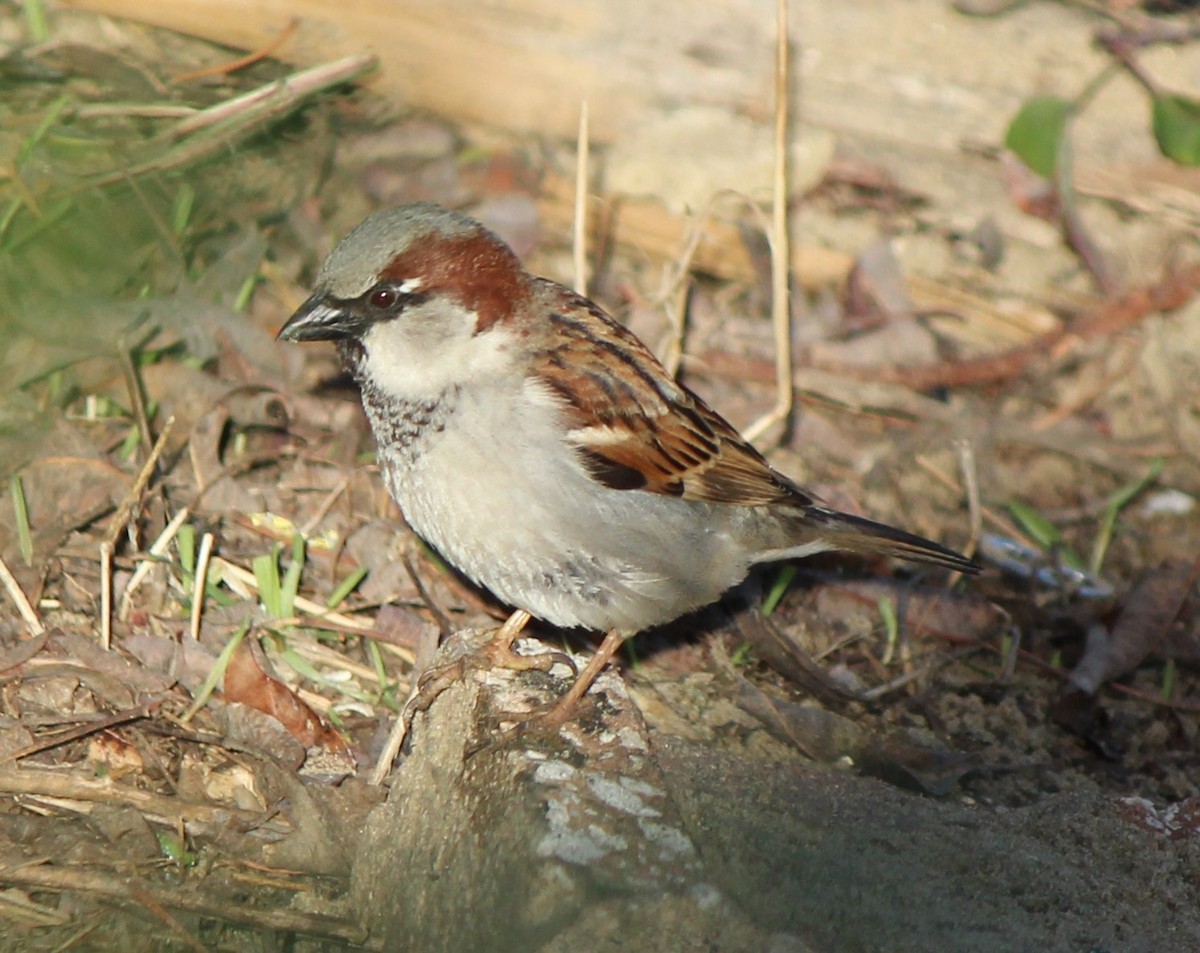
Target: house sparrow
<point>541,448</point>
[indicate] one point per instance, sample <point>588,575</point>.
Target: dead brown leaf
<point>1144,624</point>
<point>247,683</point>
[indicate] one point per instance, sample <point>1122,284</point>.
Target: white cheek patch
<point>426,350</point>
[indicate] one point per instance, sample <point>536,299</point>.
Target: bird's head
<point>419,298</point>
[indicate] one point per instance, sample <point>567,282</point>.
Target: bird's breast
<point>492,484</point>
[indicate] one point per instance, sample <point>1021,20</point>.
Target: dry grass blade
<point>970,475</point>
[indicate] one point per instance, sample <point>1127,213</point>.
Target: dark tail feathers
<point>858,535</point>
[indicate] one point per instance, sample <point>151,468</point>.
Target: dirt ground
<point>214,613</point>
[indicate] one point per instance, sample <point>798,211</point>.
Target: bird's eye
<point>382,298</point>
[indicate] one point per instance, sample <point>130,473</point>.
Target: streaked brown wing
<point>635,427</point>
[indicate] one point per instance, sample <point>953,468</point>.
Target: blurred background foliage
<point>131,213</point>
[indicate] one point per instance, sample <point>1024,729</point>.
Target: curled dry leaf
<point>247,683</point>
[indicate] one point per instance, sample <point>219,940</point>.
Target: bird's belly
<point>547,539</point>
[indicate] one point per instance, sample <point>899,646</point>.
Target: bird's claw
<point>488,657</point>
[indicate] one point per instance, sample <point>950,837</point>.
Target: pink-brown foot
<point>496,653</point>
<point>549,720</point>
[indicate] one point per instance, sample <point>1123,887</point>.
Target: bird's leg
<point>501,644</point>
<point>564,708</point>
<point>549,720</point>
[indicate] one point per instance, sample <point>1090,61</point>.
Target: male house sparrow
<point>542,449</point>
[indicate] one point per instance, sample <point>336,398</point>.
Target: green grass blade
<point>216,673</point>
<point>21,517</point>
<point>1117,502</point>
<point>345,587</point>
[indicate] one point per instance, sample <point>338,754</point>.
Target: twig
<point>1169,293</point>
<point>223,69</point>
<point>237,117</point>
<point>33,781</point>
<point>279,922</point>
<point>82,731</point>
<point>275,99</point>
<point>1074,229</point>
<point>780,253</point>
<point>443,620</point>
<point>939,661</point>
<point>1128,361</point>
<point>156,908</point>
<point>395,738</point>
<point>400,729</point>
<point>18,596</point>
<point>992,517</point>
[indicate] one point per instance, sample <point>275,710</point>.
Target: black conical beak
<point>323,318</point>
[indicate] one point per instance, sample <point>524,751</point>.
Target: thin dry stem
<point>42,877</point>
<point>81,731</point>
<point>986,514</point>
<point>326,505</point>
<point>274,98</point>
<point>201,583</point>
<point>134,496</point>
<point>226,122</point>
<point>934,663</point>
<point>677,287</point>
<point>507,633</point>
<point>224,69</point>
<point>396,736</point>
<point>969,467</point>
<point>780,253</point>
<point>157,549</point>
<point>106,593</point>
<point>172,923</point>
<point>22,602</point>
<point>579,238</point>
